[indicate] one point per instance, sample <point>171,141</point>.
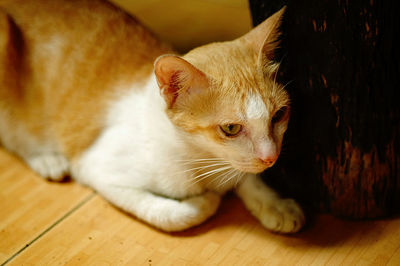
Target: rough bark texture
<point>342,150</point>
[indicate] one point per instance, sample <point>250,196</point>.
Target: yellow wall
<point>189,23</point>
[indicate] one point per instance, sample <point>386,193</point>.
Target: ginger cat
<point>87,91</point>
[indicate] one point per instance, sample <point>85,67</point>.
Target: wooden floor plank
<point>29,205</point>
<point>99,234</point>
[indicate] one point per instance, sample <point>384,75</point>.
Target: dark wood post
<point>342,149</point>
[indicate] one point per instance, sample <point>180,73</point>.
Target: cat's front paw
<point>190,212</point>
<point>283,216</point>
<point>50,166</point>
<point>277,214</point>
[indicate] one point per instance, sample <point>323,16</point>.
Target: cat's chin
<point>252,170</point>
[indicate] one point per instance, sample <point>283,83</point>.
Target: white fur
<point>255,107</point>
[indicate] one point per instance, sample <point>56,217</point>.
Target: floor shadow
<point>231,213</point>
<point>321,230</point>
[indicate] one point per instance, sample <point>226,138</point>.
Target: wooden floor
<point>44,223</point>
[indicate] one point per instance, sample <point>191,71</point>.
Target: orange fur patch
<point>76,57</point>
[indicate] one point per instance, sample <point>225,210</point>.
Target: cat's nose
<point>267,152</point>
<point>270,160</point>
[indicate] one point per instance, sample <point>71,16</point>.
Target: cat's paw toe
<point>285,216</point>
<point>50,166</point>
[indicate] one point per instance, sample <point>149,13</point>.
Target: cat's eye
<point>231,130</point>
<point>280,114</point>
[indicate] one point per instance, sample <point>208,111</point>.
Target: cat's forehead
<point>238,81</point>
<point>252,100</point>
<point>255,107</point>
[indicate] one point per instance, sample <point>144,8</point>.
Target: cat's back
<point>92,28</point>
<point>62,62</point>
<point>91,38</point>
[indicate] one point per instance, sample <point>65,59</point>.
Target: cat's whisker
<point>206,164</point>
<point>213,172</point>
<point>197,179</point>
<point>228,173</point>
<point>199,168</point>
<point>200,163</point>
<point>241,175</point>
<point>206,175</point>
<point>229,178</point>
<point>224,175</point>
<point>284,86</point>
<point>201,160</point>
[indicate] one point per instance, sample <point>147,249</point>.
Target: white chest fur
<point>140,148</point>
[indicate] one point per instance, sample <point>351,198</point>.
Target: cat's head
<point>226,97</point>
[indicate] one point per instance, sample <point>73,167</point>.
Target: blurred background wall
<point>189,23</point>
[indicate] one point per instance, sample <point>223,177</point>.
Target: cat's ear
<point>176,77</point>
<point>264,38</point>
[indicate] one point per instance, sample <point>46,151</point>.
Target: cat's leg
<point>275,213</point>
<point>38,152</point>
<point>52,166</point>
<point>164,213</point>
<point>128,192</point>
